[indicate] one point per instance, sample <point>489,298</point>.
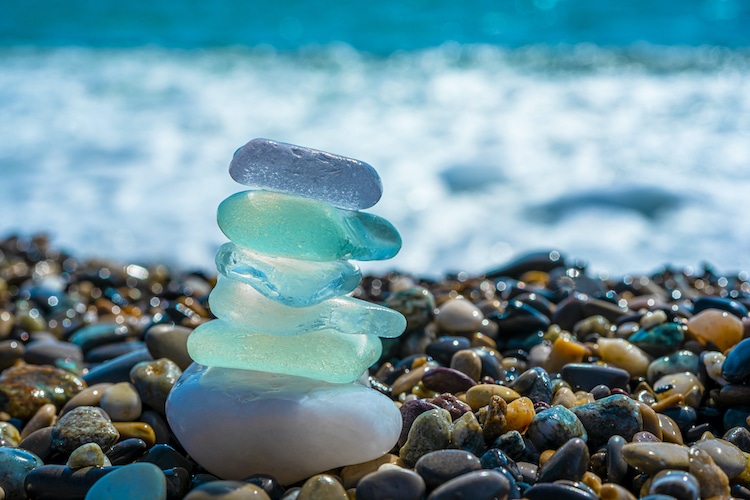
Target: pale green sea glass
<point>324,355</point>
<point>300,228</point>
<point>292,282</point>
<point>241,304</point>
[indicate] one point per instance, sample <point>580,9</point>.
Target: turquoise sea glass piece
<point>241,304</point>
<point>292,282</point>
<point>278,166</point>
<point>324,355</point>
<point>300,228</point>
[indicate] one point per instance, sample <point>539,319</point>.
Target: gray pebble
<point>154,380</point>
<point>569,462</point>
<point>169,341</point>
<point>429,432</point>
<point>392,483</point>
<point>477,485</point>
<point>440,466</point>
<point>614,415</point>
<point>553,427</point>
<point>85,424</point>
<point>679,484</point>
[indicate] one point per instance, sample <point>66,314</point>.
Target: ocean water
<point>617,132</point>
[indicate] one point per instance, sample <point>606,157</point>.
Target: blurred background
<point>617,132</point>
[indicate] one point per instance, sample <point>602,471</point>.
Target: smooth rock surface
<point>477,485</point>
<point>613,415</point>
<point>301,228</point>
<point>440,466</point>
<point>140,480</point>
<point>290,418</point>
<point>15,464</point>
<point>292,282</point>
<point>277,166</point>
<point>242,305</point>
<point>393,483</point>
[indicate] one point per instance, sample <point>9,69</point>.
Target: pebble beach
<point>532,380</point>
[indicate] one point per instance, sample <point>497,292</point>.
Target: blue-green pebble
<point>613,415</point>
<point>553,427</point>
<point>736,368</point>
<point>15,464</point>
<point>676,362</point>
<point>142,480</point>
<point>660,340</point>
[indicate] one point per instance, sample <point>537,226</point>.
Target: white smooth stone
<point>235,423</point>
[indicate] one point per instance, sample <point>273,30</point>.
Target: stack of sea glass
<point>279,383</point>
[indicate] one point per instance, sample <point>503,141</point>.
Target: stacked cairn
<point>279,384</point>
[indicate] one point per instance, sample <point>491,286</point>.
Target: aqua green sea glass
<point>292,282</point>
<point>300,228</point>
<point>324,355</point>
<point>241,304</point>
<point>287,168</point>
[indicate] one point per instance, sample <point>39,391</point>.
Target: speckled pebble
<point>659,340</point>
<point>440,466</point>
<point>227,490</point>
<point>616,414</point>
<point>429,432</point>
<point>393,483</point>
<point>154,380</point>
<point>88,455</point>
<point>121,402</point>
<point>553,427</point>
<point>25,389</point>
<point>15,464</point>
<point>85,424</point>
<point>477,485</point>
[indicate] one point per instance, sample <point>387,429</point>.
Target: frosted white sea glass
<point>292,282</point>
<point>241,304</point>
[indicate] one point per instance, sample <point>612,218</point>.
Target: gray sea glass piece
<point>278,166</point>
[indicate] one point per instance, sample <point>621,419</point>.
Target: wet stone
<point>726,455</point>
<point>442,379</point>
<point>660,340</point>
<point>678,484</point>
<point>736,368</point>
<point>38,442</point>
<point>713,481</point>
<point>169,341</point>
<point>491,364</point>
<point>617,467</point>
<point>99,334</point>
<point>90,396</point>
<point>677,362</point>
<point>322,487</point>
<point>111,351</point>
<point>267,483</point>
<point>534,384</point>
<point>117,369</point>
<point>614,415</point>
<point>88,455</point>
<point>166,457</point>
<point>443,349</point>
<point>459,315</point>
<point>53,482</point>
<point>15,464</point>
<point>154,380</point>
<point>468,362</point>
<point>395,483</point>
<point>519,319</point>
<point>569,462</point>
<point>429,432</point>
<point>558,491</point>
<point>121,402</point>
<point>451,403</point>
<point>478,485</point>
<point>410,410</point>
<point>466,434</point>
<point>740,437</point>
<point>440,466</point>
<point>721,303</point>
<point>481,394</point>
<point>44,417</point>
<point>653,457</point>
<point>85,424</point>
<point>511,443</point>
<point>25,389</point>
<point>127,451</point>
<point>227,490</point>
<point>719,328</point>
<point>352,474</point>
<point>143,481</point>
<point>417,305</point>
<point>553,427</point>
<point>585,377</point>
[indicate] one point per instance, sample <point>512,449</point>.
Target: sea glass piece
<point>324,355</point>
<point>278,166</point>
<point>300,228</point>
<point>292,282</point>
<point>236,423</point>
<point>243,305</point>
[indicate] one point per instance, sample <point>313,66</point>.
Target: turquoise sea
<point>615,131</point>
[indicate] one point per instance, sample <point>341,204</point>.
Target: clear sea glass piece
<point>324,355</point>
<point>241,304</point>
<point>300,228</point>
<point>292,282</point>
<point>278,166</point>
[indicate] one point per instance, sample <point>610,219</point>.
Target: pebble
<point>477,485</point>
<point>81,425</point>
<point>466,434</point>
<point>677,362</point>
<point>154,381</point>
<point>45,416</point>
<point>552,428</point>
<point>322,487</point>
<point>451,403</point>
<point>429,432</point>
<point>720,328</point>
<point>726,455</point>
<point>352,474</point>
<point>736,367</point>
<point>393,483</point>
<point>678,484</point>
<point>127,451</point>
<point>227,490</point>
<point>721,303</point>
<point>558,491</point>
<point>617,467</point>
<point>659,340</point>
<point>138,430</point>
<point>440,466</point>
<point>713,480</point>
<point>38,442</point>
<point>653,457</point>
<point>623,354</point>
<point>48,351</point>
<point>613,415</point>
<point>481,394</point>
<point>121,402</point>
<point>416,304</point>
<point>686,384</point>
<point>458,315</point>
<point>116,369</point>
<point>443,348</point>
<point>410,410</point>
<point>140,480</point>
<point>25,389</point>
<point>169,341</point>
<point>88,455</point>
<point>90,396</point>
<point>570,462</point>
<point>442,379</point>
<point>468,362</point>
<point>278,166</point>
<point>15,465</point>
<point>587,376</point>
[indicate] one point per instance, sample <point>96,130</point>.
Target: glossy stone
<point>466,434</point>
<point>623,354</point>
<point>121,402</point>
<point>117,369</point>
<point>153,380</point>
<point>81,425</point>
<point>721,303</point>
<point>660,340</point>
<point>440,466</point>
<point>273,403</point>
<point>713,481</point>
<point>686,384</point>
<point>677,362</point>
<point>477,485</point>
<point>613,415</point>
<point>553,427</point>
<point>736,368</point>
<point>429,432</point>
<point>653,457</point>
<point>442,379</point>
<point>720,328</point>
<point>726,455</point>
<point>88,455</point>
<point>468,362</point>
<point>325,354</point>
<point>15,464</point>
<point>242,305</point>
<point>140,480</point>
<point>292,282</point>
<point>299,228</point>
<point>679,484</point>
<point>47,352</point>
<point>584,377</point>
<point>227,490</point>
<point>570,462</point>
<point>416,304</point>
<point>352,474</point>
<point>459,315</point>
<point>287,168</point>
<point>559,491</point>
<point>395,483</point>
<point>24,389</point>
<point>169,341</point>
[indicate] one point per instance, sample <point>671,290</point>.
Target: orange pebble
<point>721,328</point>
<point>519,415</point>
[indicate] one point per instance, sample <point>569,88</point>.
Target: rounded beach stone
<point>325,355</point>
<point>440,466</point>
<point>395,483</point>
<point>685,384</point>
<point>570,462</point>
<point>242,305</point>
<point>277,166</point>
<point>481,394</point>
<point>352,474</point>
<point>477,485</point>
<point>38,442</point>
<point>88,455</point>
<point>468,362</point>
<point>117,369</point>
<point>10,352</point>
<point>416,304</point>
<point>659,340</point>
<point>677,362</point>
<point>429,432</point>
<point>121,402</point>
<point>127,451</point>
<point>623,354</point>
<point>305,229</point>
<point>227,490</point>
<point>322,487</point>
<point>442,379</point>
<point>90,396</point>
<point>46,352</point>
<point>613,415</point>
<point>725,454</point>
<point>294,448</point>
<point>721,328</point>
<point>81,425</point>
<point>25,389</point>
<point>153,380</point>
<point>584,377</point>
<point>459,315</point>
<point>722,303</point>
<point>169,341</point>
<point>45,416</point>
<point>678,484</point>
<point>561,490</point>
<point>713,480</point>
<point>15,464</point>
<point>552,428</point>
<point>140,480</point>
<point>653,457</point>
<point>292,282</point>
<point>410,410</point>
<point>617,467</point>
<point>443,348</point>
<point>736,367</point>
<point>137,430</point>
